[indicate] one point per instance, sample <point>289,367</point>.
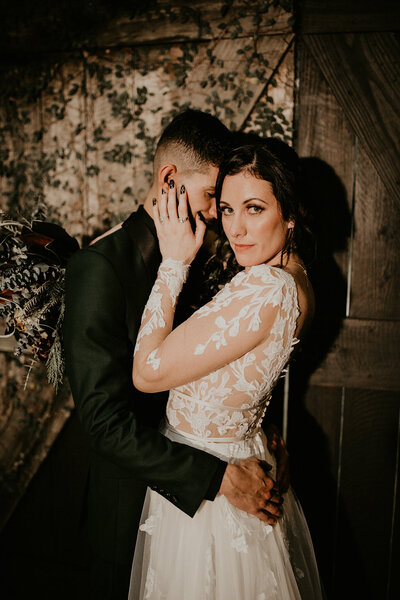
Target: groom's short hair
<point>194,138</point>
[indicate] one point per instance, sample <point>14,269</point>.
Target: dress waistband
<point>218,406</point>
<point>221,440</point>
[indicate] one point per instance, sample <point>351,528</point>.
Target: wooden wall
<point>344,414</point>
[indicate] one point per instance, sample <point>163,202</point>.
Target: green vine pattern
<point>79,134</point>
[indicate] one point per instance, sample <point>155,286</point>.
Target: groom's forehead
<point>204,178</point>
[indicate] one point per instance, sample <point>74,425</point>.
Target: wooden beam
<point>165,23</point>
<point>168,22</point>
<point>363,72</point>
<point>329,16</point>
<point>365,355</point>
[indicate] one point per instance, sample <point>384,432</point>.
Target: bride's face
<point>252,220</point>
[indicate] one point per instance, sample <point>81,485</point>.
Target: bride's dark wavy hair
<point>274,161</point>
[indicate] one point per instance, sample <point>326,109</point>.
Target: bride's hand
<point>174,231</point>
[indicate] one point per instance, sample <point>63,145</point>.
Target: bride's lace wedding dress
<point>228,357</point>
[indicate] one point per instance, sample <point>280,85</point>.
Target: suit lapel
<point>142,232</point>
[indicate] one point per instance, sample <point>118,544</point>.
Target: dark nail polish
<point>154,201</point>
<point>163,192</point>
<point>182,189</point>
<point>171,184</point>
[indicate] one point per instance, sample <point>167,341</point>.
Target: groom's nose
<point>213,210</point>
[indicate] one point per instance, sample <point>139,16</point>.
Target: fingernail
<point>182,189</point>
<point>163,191</point>
<point>171,184</point>
<point>154,201</point>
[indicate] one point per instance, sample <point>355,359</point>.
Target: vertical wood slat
<point>314,446</point>
<point>326,145</point>
<point>366,493</point>
<point>375,285</point>
<point>393,589</point>
<point>363,72</point>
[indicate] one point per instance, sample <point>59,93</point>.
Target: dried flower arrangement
<point>33,258</point>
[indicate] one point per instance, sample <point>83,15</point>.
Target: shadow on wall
<point>329,207</point>
<point>314,468</point>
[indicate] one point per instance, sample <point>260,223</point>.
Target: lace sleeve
<point>242,315</point>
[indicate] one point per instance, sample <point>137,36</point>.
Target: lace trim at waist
<point>215,405</point>
<point>222,440</point>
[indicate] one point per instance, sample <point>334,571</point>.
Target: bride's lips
<point>242,247</point>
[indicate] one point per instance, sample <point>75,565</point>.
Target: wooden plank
<point>394,571</point>
<point>326,145</point>
<point>368,472</point>
<point>375,276</point>
<point>173,22</point>
<point>336,16</point>
<point>365,354</point>
<point>314,445</point>
<point>167,22</point>
<point>363,72</point>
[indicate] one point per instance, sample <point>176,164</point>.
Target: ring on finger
<point>163,219</point>
<point>183,219</point>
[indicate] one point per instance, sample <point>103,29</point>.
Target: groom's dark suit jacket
<point>107,286</point>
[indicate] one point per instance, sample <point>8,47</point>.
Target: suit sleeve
<point>98,357</point>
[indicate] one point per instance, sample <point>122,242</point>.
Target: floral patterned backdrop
<point>77,134</point>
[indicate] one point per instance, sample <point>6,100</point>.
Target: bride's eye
<point>226,210</point>
<point>255,210</point>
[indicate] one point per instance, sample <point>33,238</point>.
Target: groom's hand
<point>277,446</point>
<point>247,486</point>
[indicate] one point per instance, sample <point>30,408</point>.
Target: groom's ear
<point>165,174</point>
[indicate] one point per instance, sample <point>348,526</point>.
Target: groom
<point>107,286</point>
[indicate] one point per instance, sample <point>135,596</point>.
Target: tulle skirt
<point>223,553</point>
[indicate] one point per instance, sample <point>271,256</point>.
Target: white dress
<point>228,357</point>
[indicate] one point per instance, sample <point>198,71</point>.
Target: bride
<point>221,366</point>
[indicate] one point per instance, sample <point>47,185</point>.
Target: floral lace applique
<point>152,521</point>
<point>172,273</point>
<point>153,360</point>
<point>230,401</point>
<point>240,533</point>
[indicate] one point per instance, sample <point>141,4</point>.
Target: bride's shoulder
<point>259,283</point>
<point>263,274</point>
